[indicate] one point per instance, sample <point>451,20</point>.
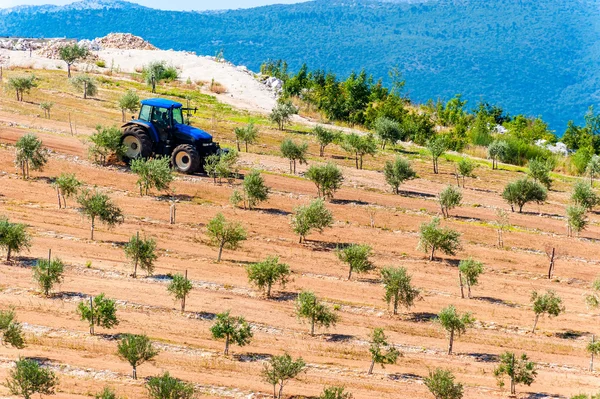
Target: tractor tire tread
<point>192,153</point>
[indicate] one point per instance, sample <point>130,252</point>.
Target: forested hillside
<point>536,58</point>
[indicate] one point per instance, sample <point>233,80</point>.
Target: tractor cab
<point>160,130</point>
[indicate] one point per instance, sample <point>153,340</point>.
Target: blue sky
<point>175,5</point>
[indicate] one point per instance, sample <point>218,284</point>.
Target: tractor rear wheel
<point>185,159</point>
<point>137,143</point>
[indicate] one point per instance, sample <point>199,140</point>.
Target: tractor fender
<point>148,126</point>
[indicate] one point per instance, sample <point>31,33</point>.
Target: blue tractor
<point>160,130</point>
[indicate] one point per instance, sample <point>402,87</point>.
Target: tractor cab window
<point>177,116</point>
<point>160,116</point>
<point>145,113</point>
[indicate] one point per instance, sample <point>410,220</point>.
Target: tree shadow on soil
<point>404,377</point>
<point>415,194</point>
<point>421,317</point>
<point>284,296</point>
<point>543,395</point>
<point>203,315</point>
<point>495,301</point>
<point>273,211</point>
<point>251,357</point>
<point>326,246</point>
<point>483,357</point>
<point>339,337</point>
<point>349,202</point>
<point>571,334</point>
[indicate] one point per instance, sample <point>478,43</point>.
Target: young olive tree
<point>539,171</point>
<point>454,323</point>
<point>14,237</point>
<point>152,173</point>
<point>388,130</point>
<point>136,350</point>
<point>141,252</point>
<point>67,186</point>
<point>98,206</point>
<point>247,134</point>
<point>359,146</point>
<point>99,311</point>
<point>502,224</point>
<point>180,287</point>
<point>314,216</point>
<point>268,272</point>
<point>47,273</point>
<point>167,387</point>
<point>30,154</point>
<point>255,189</point>
<point>86,84</point>
<point>222,166</point>
<point>593,348</point>
<point>397,172</point>
<point>433,237</point>
<point>129,101</point>
<point>469,271</point>
<point>357,258</point>
<point>46,106</point>
<point>107,393</point>
<point>381,351</point>
<point>522,191</point>
<point>324,138</point>
<point>281,115</point>
<point>21,85</point>
<point>548,303</point>
<point>450,198</point>
<point>519,371</point>
<point>464,169</point>
<point>318,314</point>
<point>156,71</point>
<point>437,146</point>
<point>577,220</point>
<point>583,195</point>
<point>11,331</point>
<point>398,288</point>
<point>592,168</point>
<point>106,143</point>
<point>497,151</point>
<point>72,53</point>
<point>335,392</point>
<point>225,234</point>
<point>295,152</point>
<point>279,370</point>
<point>441,383</point>
<point>233,329</point>
<point>28,378</point>
<point>328,179</point>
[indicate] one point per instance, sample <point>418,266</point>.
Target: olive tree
<point>437,146</point>
<point>225,234</point>
<point>46,106</point>
<point>592,168</point>
<point>497,151</point>
<point>14,237</point>
<point>397,172</point>
<point>129,101</point>
<point>522,191</point>
<point>502,224</point>
<point>141,252</point>
<point>180,287</point>
<point>233,329</point>
<point>519,371</point>
<point>107,393</point>
<point>255,189</point>
<point>335,392</point>
<point>11,331</point>
<point>577,220</point>
<point>47,273</point>
<point>441,383</point>
<point>454,323</point>
<point>67,186</point>
<point>324,138</point>
<point>156,71</point>
<point>381,351</point>
<point>98,206</point>
<point>72,53</point>
<point>593,348</point>
<point>328,179</point>
<point>28,378</point>
<point>222,166</point>
<point>21,85</point>
<point>359,146</point>
<point>388,131</point>
<point>433,237</point>
<point>136,350</point>
<point>152,173</point>
<point>357,258</point>
<point>167,387</point>
<point>105,143</point>
<point>295,152</point>
<point>593,300</point>
<point>398,288</point>
<point>282,113</point>
<point>450,198</point>
<point>268,272</point>
<point>548,303</point>
<point>279,370</point>
<point>464,169</point>
<point>85,83</point>
<point>317,313</point>
<point>99,311</point>
<point>584,195</point>
<point>30,154</point>
<point>539,171</point>
<point>314,216</point>
<point>247,134</point>
<point>469,270</point>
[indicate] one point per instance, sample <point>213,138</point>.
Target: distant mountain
<point>534,57</point>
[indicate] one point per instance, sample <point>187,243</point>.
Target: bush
<point>336,393</point>
<point>222,165</point>
<point>397,172</point>
<point>28,378</point>
<point>577,219</point>
<point>180,287</point>
<point>441,384</point>
<point>67,186</point>
<point>156,71</point>
<point>581,159</point>
<point>328,179</point>
<point>522,191</point>
<point>247,134</point>
<point>101,64</point>
<point>465,168</point>
<point>520,371</point>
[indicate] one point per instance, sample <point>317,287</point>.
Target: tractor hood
<point>193,132</point>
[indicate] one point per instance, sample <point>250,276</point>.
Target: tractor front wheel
<point>185,159</point>
<point>137,144</point>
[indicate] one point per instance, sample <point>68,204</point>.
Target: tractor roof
<point>161,102</point>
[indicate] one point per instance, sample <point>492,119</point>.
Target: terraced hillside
<point>338,356</point>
